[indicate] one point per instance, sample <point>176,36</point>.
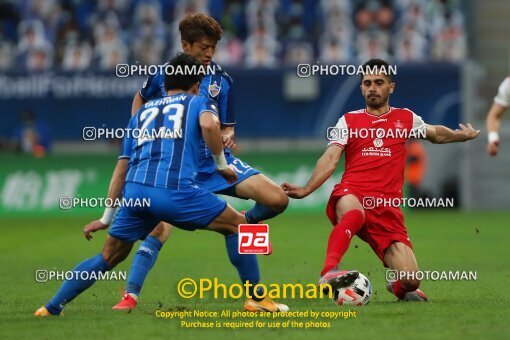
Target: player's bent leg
<point>143,261</point>
<point>114,251</point>
<point>350,218</point>
<point>227,222</point>
<point>400,257</point>
<point>246,264</point>
<point>162,231</point>
<point>347,203</point>
<point>271,199</point>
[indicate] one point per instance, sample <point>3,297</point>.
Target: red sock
<point>340,238</point>
<point>398,289</point>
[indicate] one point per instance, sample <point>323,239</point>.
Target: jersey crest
<point>214,89</point>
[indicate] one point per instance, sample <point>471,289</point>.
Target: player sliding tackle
<point>167,178</point>
<point>374,167</point>
<point>199,36</point>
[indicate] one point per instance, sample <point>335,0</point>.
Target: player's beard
<point>376,103</point>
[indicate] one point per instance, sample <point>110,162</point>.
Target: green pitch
<point>442,240</point>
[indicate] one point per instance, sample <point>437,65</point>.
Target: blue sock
<point>72,288</point>
<point>246,264</point>
<point>259,212</point>
<point>143,262</point>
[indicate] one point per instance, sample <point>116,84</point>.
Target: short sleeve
<point>227,116</point>
<point>127,143</point>
<point>503,96</point>
<point>219,89</point>
<point>338,135</point>
<point>151,87</point>
<point>207,105</point>
<point>418,122</point>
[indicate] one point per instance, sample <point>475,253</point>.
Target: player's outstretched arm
<point>211,132</point>
<point>439,134</point>
<point>493,124</point>
<point>114,192</point>
<point>324,168</point>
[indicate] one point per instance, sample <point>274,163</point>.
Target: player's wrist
<point>108,215</point>
<point>308,190</point>
<point>493,137</point>
<point>220,161</point>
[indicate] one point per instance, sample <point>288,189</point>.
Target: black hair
<point>377,65</point>
<point>197,26</point>
<point>182,71</point>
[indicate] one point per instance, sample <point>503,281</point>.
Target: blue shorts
<point>213,182</point>
<point>189,209</point>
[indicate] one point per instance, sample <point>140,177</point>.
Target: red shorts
<point>383,225</point>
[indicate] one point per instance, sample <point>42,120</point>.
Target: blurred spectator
<point>110,50</point>
<point>31,136</point>
<point>111,8</point>
<point>75,34</point>
<point>260,57</point>
<point>412,13</point>
<point>261,39</point>
<point>261,13</point>
<point>32,40</point>
<point>229,51</point>
<point>77,57</point>
<point>410,44</point>
<point>233,19</point>
<point>112,57</point>
<point>6,55</point>
<point>338,25</point>
<point>148,34</point>
<point>333,52</point>
<point>298,53</point>
<point>39,59</point>
<point>373,45</point>
<point>45,11</point>
<point>449,44</point>
<point>369,13</point>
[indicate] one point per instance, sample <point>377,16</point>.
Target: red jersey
<point>374,146</point>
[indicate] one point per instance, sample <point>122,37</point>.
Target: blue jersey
<point>217,87</point>
<point>165,141</point>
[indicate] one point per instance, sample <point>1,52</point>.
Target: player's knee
<point>359,214</point>
<point>280,201</point>
<point>161,232</point>
<point>356,216</point>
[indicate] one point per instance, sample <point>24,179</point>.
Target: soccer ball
<point>357,294</point>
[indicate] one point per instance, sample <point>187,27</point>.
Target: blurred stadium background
<point>57,76</point>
